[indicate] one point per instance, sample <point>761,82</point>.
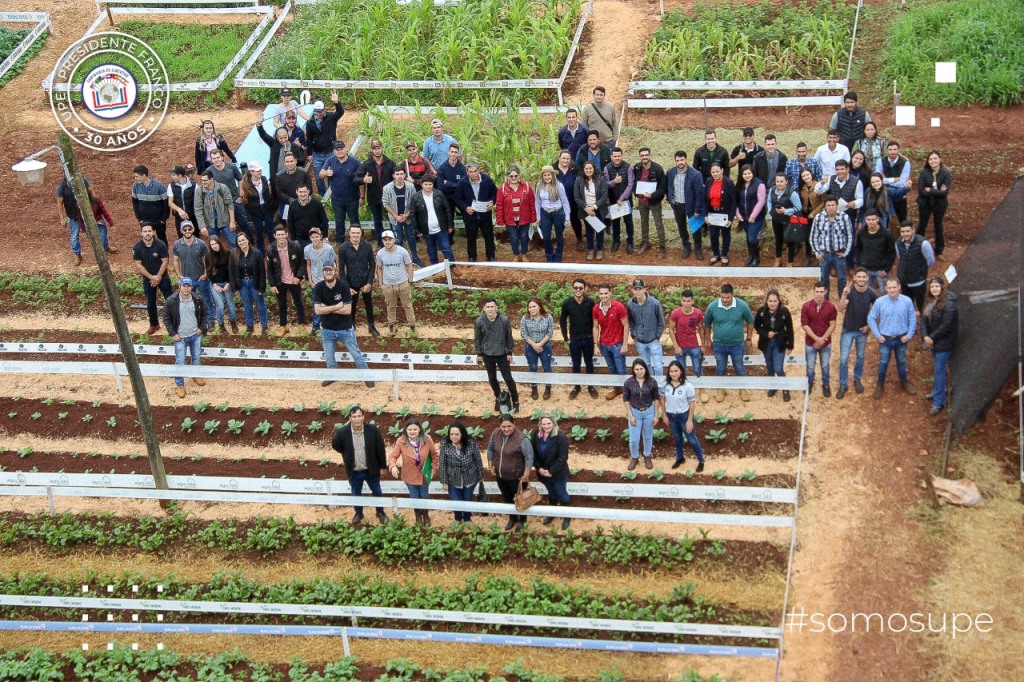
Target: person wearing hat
<point>435,147</point>
<point>185,321</point>
<point>746,151</point>
<point>416,165</point>
<point>181,195</point>
<point>321,132</point>
<point>332,301</point>
<point>374,175</point>
<point>646,325</point>
<point>260,203</point>
<point>341,171</point>
<point>394,272</point>
<point>552,206</point>
<point>287,104</point>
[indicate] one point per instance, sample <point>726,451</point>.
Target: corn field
<point>762,41</point>
<point>381,40</point>
<point>493,139</point>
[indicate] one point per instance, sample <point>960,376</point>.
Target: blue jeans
<point>318,164</point>
<point>677,423</point>
<point>724,352</point>
<point>754,230</point>
<point>76,228</point>
<point>206,291</point>
<point>461,495</point>
<point>242,219</point>
<point>356,480</point>
<point>377,211</point>
<point>941,373</point>
<point>224,300</point>
<point>846,341</point>
<point>439,241</point>
<point>544,356</point>
<point>644,429</point>
<point>329,338</point>
<point>250,298</point>
<point>828,262</point>
<point>224,234</point>
<point>614,358</point>
<point>553,243</point>
<point>418,492</point>
<point>595,239</point>
<point>617,233</point>
<point>876,281</point>
<point>811,354</point>
<point>519,238</point>
<point>558,489</point>
<point>696,356</point>
<point>344,209</point>
<point>775,359</point>
<point>405,236</point>
<point>263,227</point>
<point>192,344</point>
<point>889,346</point>
<point>652,353</point>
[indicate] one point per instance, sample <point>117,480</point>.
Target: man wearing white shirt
<point>896,178</point>
<point>433,218</point>
<point>830,152</point>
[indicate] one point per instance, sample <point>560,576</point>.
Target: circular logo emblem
<point>109,91</point>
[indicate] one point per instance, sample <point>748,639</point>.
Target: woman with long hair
<point>812,204</point>
<point>510,457</point>
<point>218,260</point>
<point>720,196</point>
<point>933,185</point>
<point>516,210</point>
<point>247,272</point>
<point>774,326</point>
<point>459,466</point>
<point>260,203</point>
<point>416,452</point>
<point>873,147</point>
<point>938,327</point>
<point>591,196</point>
<point>552,208</point>
<point>876,197</point>
<point>537,328</point>
<point>208,140</point>
<point>551,460</point>
<point>678,403</point>
<point>751,196</point>
<point>784,207</point>
<point>565,173</point>
<point>640,394</point>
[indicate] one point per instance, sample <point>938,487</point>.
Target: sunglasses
<point>513,176</point>
<point>578,288</point>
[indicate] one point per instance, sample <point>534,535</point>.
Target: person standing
<point>818,318</point>
<point>150,257</point>
<point>415,165</point>
<point>611,324</point>
<point>537,327</point>
<point>213,206</point>
<point>876,252</point>
<point>591,196</point>
<point>933,185</point>
<point>872,146</point>
<point>830,152</point>
<point>770,162</point>
<point>832,241</point>
<point>149,202</point>
<point>185,320</point>
<point>552,208</point>
<point>720,200</point>
<point>305,214</point>
<point>685,324</point>
<point>896,174</point>
<point>847,190</point>
<point>801,162</point>
<point>374,175</point>
<point>437,146</point>
<point>573,135</point>
<point>321,133</point>
<point>394,272</point>
<point>916,256</point>
<point>260,203</point>
<point>357,266</point>
<point>417,452</point>
<point>641,396</point>
<point>432,217</point>
<point>595,151</point>
<point>459,467</point>
<point>731,323</point>
<point>709,154</point>
<point>190,260</point>
<point>551,460</point>
<point>515,209</point>
<point>684,188</point>
<point>678,403</point>
<point>208,141</point>
<point>289,180</point>
<point>475,198</point>
<point>333,303</point>
<point>621,182</point>
<point>646,325</point>
<point>317,254</point>
<point>341,172</point>
<point>850,120</point>
<point>228,174</point>
<point>649,203</point>
<point>248,271</point>
<point>181,197</point>
<point>220,285</point>
<point>599,116</point>
<point>751,196</point>
<point>286,270</point>
<point>745,152</point>
<point>893,322</point>
<point>492,339</point>
<point>855,304</point>
<point>576,322</point>
<point>362,452</point>
<point>784,206</point>
<point>449,175</point>
<point>397,200</point>
<point>565,173</point>
<point>939,329</point>
<point>510,457</point>
<point>774,326</point>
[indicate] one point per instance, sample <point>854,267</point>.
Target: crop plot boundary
<point>241,81</point>
<point>42,24</point>
<point>191,86</point>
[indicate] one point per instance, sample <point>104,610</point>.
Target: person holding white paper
<point>650,190</point>
<point>720,197</point>
<point>621,181</point>
<point>475,196</point>
<point>591,196</point>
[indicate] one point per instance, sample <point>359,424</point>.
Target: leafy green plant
<point>698,418</point>
<point>624,436</point>
<point>722,418</point>
<point>629,475</point>
<point>299,408</point>
<point>578,433</point>
<point>715,435</point>
<point>47,401</point>
<point>201,406</point>
<point>395,430</point>
<point>743,437</point>
<point>327,408</point>
<point>187,423</point>
<point>659,435</point>
<point>475,431</point>
<point>12,415</point>
<point>378,409</point>
<point>599,473</point>
<point>558,414</point>
<point>459,412</point>
<point>112,422</point>
<point>582,414</point>
<point>747,475</point>
<point>62,415</point>
<point>487,414</point>
<point>315,426</point>
<point>97,403</point>
<point>211,426</point>
<point>602,434</point>
<point>263,428</point>
<point>289,428</point>
<point>719,475</point>
<point>657,475</point>
<point>87,418</point>
<point>223,407</point>
<point>25,451</point>
<point>748,417</point>
<point>247,409</point>
<point>235,427</point>
<point>430,410</point>
<point>36,416</point>
<point>404,412</point>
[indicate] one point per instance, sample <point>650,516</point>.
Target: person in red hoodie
<point>103,221</point>
<point>516,211</point>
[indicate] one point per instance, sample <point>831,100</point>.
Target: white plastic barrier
<point>42,25</point>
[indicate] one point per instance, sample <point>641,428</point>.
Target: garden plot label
<point>109,91</point>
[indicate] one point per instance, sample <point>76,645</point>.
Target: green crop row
<point>395,543</point>
<point>55,292</point>
<point>479,593</point>
<point>983,37</point>
<point>759,41</point>
<point>122,664</point>
<point>10,38</point>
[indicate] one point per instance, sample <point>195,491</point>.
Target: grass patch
<point>380,40</point>
<point>983,37</point>
<point>10,38</point>
<point>760,41</point>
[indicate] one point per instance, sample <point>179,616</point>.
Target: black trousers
<point>915,294</point>
<point>582,352</point>
<point>483,226</point>
<point>682,223</point>
<point>778,231</point>
<point>574,220</point>
<point>367,297</point>
<point>164,288</point>
<point>493,363</point>
<point>295,291</point>
<point>508,494</point>
<point>937,210</point>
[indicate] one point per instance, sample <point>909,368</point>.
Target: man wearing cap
<point>261,204</point>
<point>477,189</point>
<point>185,320</point>
<point>435,147</point>
<point>394,272</point>
<point>416,165</point>
<point>149,202</point>
<point>373,176</point>
<point>214,210</point>
<point>433,219</point>
<point>341,171</point>
<point>321,132</point>
<point>745,152</point>
<point>150,257</point>
<point>305,214</point>
<point>181,195</point>
<point>646,325</point>
<point>332,301</point>
<point>191,256</point>
<point>287,104</point>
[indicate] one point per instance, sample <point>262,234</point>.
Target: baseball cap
<point>286,91</point>
<point>178,170</point>
<point>190,168</point>
<point>639,284</point>
<point>256,166</point>
<point>436,122</point>
<point>410,143</point>
<point>387,234</point>
<point>186,223</point>
<point>329,266</point>
<point>318,105</point>
<point>185,281</point>
<point>747,132</point>
<point>339,144</point>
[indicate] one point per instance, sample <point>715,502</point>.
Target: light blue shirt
<point>890,317</point>
<point>436,151</point>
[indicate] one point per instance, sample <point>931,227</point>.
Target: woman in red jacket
<point>516,211</point>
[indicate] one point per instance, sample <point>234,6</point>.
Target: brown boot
<point>613,394</point>
<point>234,327</point>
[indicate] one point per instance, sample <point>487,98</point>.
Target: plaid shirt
<point>640,397</point>
<point>457,468</point>
<point>831,236</point>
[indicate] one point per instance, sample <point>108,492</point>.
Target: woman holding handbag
<point>551,448</point>
<point>784,207</point>
<point>510,457</point>
<point>416,451</point>
<point>459,467</point>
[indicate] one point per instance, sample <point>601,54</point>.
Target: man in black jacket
<point>357,267</point>
<point>770,162</point>
<point>304,213</point>
<point>185,321</point>
<point>373,174</point>
<point>650,202</point>
<point>432,216</point>
<point>875,251</point>
<point>321,131</point>
<point>286,270</point>
<point>362,451</point>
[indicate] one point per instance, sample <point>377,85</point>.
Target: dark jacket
<point>376,459</point>
<point>356,266</point>
<point>301,219</point>
<point>728,197</point>
<point>941,325</point>
<point>760,167</point>
<point>275,151</point>
<point>604,157</point>
<point>252,266</point>
<point>875,251</point>
<point>913,266</point>
<point>784,330</point>
<point>375,190</point>
<point>693,190</point>
<point>464,197</point>
<point>172,316</point>
<point>555,459</point>
<point>320,139</point>
<point>570,142</point>
<point>287,184</point>
<point>418,211</point>
<point>201,162</point>
<point>937,197</point>
<point>655,174</point>
<point>600,189</point>
<point>295,258</point>
<point>252,206</point>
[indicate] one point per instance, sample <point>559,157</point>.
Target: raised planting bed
<point>393,544</point>
<point>19,45</point>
